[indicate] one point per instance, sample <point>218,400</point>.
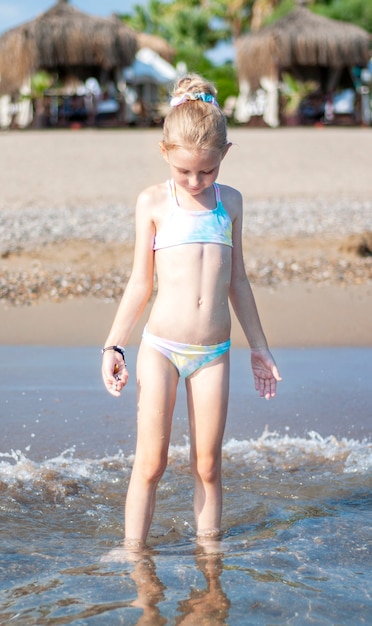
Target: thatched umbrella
<point>157,44</point>
<point>66,41</point>
<point>302,43</point>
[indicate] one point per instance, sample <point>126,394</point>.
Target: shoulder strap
<point>172,191</point>
<point>217,192</point>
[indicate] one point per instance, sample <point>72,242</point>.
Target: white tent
<point>149,67</point>
<point>148,83</point>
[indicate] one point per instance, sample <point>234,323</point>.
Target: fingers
<point>115,385</point>
<point>114,373</point>
<point>266,373</point>
<point>116,382</point>
<point>265,384</point>
<point>276,374</point>
<point>266,387</point>
<point>270,391</point>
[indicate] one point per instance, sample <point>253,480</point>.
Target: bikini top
<point>182,226</point>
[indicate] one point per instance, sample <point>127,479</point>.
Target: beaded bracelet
<point>119,349</point>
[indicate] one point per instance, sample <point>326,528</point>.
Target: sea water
<point>296,536</point>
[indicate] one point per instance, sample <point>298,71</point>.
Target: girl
<point>189,228</point>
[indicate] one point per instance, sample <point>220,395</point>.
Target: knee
<point>206,469</point>
<point>152,469</point>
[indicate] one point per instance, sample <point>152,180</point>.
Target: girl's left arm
<point>265,371</point>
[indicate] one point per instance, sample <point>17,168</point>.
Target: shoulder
<point>152,200</point>
<point>232,200</point>
<point>230,193</point>
<point>152,196</point>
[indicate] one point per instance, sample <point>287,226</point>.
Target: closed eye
<point>203,172</point>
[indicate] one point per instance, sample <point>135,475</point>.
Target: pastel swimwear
<point>187,358</point>
<point>182,226</point>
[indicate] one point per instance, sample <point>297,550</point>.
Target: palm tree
<point>261,10</point>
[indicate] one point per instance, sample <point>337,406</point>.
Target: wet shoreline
<point>53,398</point>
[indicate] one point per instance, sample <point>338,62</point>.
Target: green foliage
<point>284,7</point>
<point>294,91</point>
<point>192,27</point>
<point>235,14</point>
<point>222,76</point>
<point>195,62</point>
<point>40,82</point>
<point>182,23</point>
<point>148,18</point>
<point>225,79</point>
<point>358,12</point>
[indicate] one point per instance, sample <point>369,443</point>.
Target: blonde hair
<point>196,121</point>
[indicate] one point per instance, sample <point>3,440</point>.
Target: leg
<point>157,381</point>
<point>207,396</point>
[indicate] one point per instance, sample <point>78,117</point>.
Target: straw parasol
<point>157,44</point>
<point>66,41</point>
<point>304,44</point>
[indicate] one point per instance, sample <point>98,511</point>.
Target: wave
<point>348,455</point>
<point>270,449</point>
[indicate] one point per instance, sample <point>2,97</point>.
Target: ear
<point>163,151</point>
<point>225,150</point>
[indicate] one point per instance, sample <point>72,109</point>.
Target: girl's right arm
<point>136,295</point>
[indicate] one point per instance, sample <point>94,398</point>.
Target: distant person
<point>190,228</point>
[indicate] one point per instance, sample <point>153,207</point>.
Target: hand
<point>265,372</point>
<point>114,372</point>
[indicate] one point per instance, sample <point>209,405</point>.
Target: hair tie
<point>186,97</point>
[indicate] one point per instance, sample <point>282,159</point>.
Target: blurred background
<point>275,62</point>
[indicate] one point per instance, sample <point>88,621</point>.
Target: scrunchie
<point>186,97</point>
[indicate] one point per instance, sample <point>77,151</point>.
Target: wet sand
<point>298,315</point>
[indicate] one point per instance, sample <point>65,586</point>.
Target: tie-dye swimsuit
<point>182,227</point>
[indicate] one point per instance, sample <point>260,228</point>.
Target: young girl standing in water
<point>190,230</point>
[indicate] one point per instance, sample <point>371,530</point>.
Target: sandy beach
<point>66,230</point>
<point>296,471</point>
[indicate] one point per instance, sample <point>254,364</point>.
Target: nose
<point>194,180</point>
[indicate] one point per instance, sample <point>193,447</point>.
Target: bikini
<point>180,227</point>
<point>186,357</point>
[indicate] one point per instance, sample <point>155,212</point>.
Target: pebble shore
<point>29,229</point>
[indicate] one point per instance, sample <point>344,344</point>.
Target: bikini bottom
<point>187,358</point>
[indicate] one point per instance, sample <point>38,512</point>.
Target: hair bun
<point>193,84</point>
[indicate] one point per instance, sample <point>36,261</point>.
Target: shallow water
<point>297,499</point>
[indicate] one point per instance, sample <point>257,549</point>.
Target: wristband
<point>119,349</point>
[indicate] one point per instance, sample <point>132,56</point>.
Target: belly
<point>191,305</point>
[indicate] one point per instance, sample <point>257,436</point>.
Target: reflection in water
<point>298,518</point>
<point>150,592</point>
<point>209,605</point>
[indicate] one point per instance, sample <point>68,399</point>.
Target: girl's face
<point>194,170</point>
